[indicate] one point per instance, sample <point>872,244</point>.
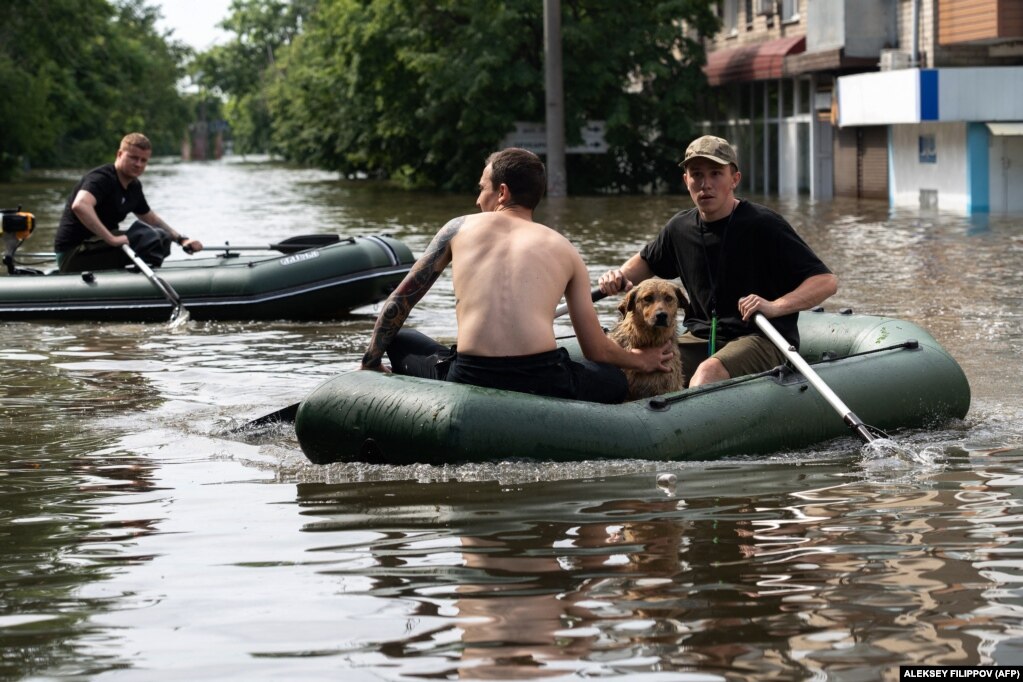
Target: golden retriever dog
<point>649,318</point>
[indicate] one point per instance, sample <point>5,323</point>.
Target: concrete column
<point>557,184</point>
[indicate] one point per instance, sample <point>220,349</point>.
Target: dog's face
<point>654,303</point>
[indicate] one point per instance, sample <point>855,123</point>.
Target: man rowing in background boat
<point>88,237</point>
<point>509,273</point>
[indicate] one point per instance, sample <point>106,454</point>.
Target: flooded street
<point>141,540</point>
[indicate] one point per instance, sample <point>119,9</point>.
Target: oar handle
<point>848,416</point>
<point>595,295</point>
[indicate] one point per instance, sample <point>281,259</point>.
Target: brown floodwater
<point>141,541</point>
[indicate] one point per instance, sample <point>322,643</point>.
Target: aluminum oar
<point>847,415</point>
<point>179,315</point>
<point>595,295</point>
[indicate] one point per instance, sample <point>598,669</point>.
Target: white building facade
<point>955,135</point>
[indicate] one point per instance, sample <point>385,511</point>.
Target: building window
<point>749,14</point>
<point>928,149</point>
<point>790,10</point>
<point>730,18</point>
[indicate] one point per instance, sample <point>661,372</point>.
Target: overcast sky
<point>193,21</point>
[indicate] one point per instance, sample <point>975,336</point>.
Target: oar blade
<point>288,246</point>
<point>179,317</point>
<point>303,242</point>
<point>285,415</point>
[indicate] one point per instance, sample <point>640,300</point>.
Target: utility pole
<point>556,181</point>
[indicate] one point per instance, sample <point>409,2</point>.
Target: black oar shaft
<point>285,415</point>
<point>290,245</point>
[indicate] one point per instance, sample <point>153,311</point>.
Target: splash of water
<point>886,454</point>
<point>179,318</point>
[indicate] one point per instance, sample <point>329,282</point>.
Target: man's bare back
<point>531,265</point>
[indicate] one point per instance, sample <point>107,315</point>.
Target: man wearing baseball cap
<point>734,258</point>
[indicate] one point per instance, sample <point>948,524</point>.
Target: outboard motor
<point>17,226</point>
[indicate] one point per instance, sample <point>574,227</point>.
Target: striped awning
<point>762,61</point>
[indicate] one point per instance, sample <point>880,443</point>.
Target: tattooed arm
<point>417,282</point>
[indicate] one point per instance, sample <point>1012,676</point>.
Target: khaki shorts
<point>745,355</point>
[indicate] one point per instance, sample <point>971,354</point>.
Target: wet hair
<point>522,171</point>
<point>136,140</point>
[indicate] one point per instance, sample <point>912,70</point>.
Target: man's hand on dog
<point>656,359</point>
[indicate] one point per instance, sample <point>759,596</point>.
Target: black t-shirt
<point>753,251</point>
<point>113,203</point>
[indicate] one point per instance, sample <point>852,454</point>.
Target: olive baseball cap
<point>717,149</point>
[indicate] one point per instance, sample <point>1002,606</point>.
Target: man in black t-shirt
<point>734,258</point>
<point>88,236</point>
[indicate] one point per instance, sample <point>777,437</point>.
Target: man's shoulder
<point>686,216</point>
<point>516,235</point>
<point>455,223</point>
<point>753,210</point>
<point>518,227</point>
<point>100,177</point>
<point>107,170</point>
<point>685,219</point>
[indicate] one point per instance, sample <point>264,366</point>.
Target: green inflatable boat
<point>891,373</point>
<point>303,278</point>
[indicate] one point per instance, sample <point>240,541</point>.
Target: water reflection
<point>532,580</point>
<point>61,532</point>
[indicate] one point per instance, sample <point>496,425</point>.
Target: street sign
<point>533,136</point>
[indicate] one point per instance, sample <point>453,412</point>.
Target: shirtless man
<point>509,274</point>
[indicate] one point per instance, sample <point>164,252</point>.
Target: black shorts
<point>552,373</point>
<point>93,254</point>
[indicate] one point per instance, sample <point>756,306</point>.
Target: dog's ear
<point>683,300</point>
<point>628,303</point>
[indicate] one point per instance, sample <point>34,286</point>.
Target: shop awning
<point>1005,128</point>
<point>763,61</point>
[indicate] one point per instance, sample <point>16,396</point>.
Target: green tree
<point>31,77</point>
<point>78,74</point>
<point>242,67</point>
<point>636,66</point>
<point>423,91</point>
<point>405,89</point>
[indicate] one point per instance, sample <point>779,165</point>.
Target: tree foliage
<point>406,89</point>
<point>421,92</point>
<point>244,67</point>
<point>78,74</point>
<point>637,66</point>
